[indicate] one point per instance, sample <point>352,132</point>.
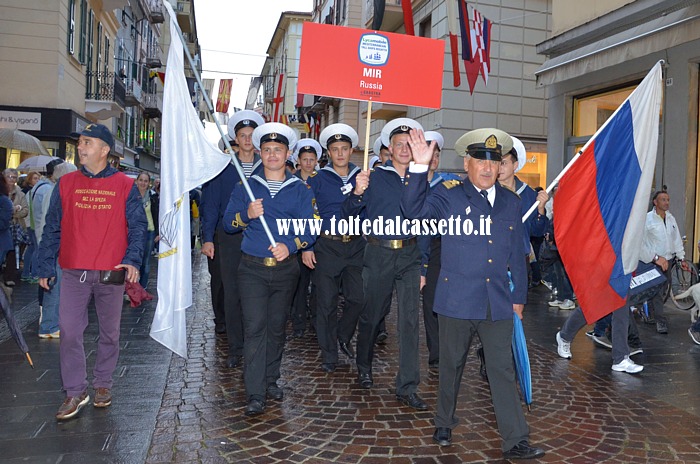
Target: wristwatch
<point>656,258</point>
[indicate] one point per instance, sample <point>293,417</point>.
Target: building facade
<point>597,55</point>
<point>68,63</point>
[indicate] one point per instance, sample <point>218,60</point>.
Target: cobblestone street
<point>167,409</point>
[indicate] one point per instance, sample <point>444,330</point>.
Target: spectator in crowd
<point>662,242</point>
<point>143,182</point>
<point>20,237</point>
<point>95,226</point>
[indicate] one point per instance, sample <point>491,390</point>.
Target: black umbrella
<point>14,327</point>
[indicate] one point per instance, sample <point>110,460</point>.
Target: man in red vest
<point>95,226</point>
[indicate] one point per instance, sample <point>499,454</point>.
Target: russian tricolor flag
<point>601,204</point>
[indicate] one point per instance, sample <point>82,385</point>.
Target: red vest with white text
<point>94,234</point>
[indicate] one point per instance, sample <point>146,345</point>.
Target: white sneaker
<point>627,365</point>
<point>554,303</point>
<point>567,304</point>
<point>564,347</point>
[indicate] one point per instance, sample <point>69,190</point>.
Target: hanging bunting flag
<point>224,97</point>
<point>278,101</point>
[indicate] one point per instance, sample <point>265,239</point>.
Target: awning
<point>667,31</point>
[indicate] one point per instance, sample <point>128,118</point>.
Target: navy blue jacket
<point>424,240</point>
<point>381,199</point>
<point>7,209</point>
<point>295,200</point>
<point>474,268</point>
<point>537,223</point>
<point>330,192</point>
<point>215,196</point>
<point>51,238</point>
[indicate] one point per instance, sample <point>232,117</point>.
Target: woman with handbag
<point>18,227</point>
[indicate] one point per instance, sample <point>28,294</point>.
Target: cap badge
<point>338,136</point>
<point>246,121</point>
<point>272,135</point>
<point>308,147</point>
<point>491,142</point>
<point>404,128</point>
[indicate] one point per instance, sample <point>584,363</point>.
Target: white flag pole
<point>578,155</point>
<point>210,107</point>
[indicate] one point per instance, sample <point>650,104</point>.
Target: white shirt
<point>663,239</point>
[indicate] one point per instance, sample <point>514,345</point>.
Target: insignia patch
<point>451,183</point>
<point>491,142</point>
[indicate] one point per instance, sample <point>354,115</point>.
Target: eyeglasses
<point>11,177</point>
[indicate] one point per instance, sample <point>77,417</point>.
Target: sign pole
<point>369,119</point>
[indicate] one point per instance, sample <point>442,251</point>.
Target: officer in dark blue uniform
<point>473,292</point>
<point>267,275</point>
<point>307,153</point>
<point>430,247</point>
<point>392,259</point>
<point>336,258</point>
<point>224,250</point>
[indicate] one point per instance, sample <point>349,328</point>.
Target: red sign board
<point>360,64</point>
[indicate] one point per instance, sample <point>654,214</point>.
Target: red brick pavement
<point>577,417</point>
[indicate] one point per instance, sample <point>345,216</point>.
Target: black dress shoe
<point>220,328</point>
<point>365,380</point>
<point>523,451</point>
<point>255,407</point>
<point>328,367</point>
<point>443,436</point>
<point>233,361</point>
<point>382,336</point>
<point>274,392</point>
<point>434,366</point>
<point>413,400</point>
<point>347,350</point>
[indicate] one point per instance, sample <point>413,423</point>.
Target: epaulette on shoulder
<point>451,183</point>
<point>313,174</point>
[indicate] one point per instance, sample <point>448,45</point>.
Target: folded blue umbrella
<point>521,357</point>
<point>522,360</point>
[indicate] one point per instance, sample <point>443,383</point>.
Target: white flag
<point>187,160</point>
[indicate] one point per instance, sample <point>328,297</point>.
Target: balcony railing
<point>103,86</point>
<point>134,94</point>
<point>153,105</point>
<point>153,59</point>
<point>155,11</point>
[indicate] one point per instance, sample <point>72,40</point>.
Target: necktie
<point>485,194</point>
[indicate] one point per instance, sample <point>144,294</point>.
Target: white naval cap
<point>489,144</point>
<point>241,119</point>
<point>398,126</point>
<point>338,132</point>
<point>377,147</point>
<point>222,145</point>
<point>307,145</point>
<point>274,132</point>
<point>519,149</point>
<point>374,159</point>
<point>431,136</point>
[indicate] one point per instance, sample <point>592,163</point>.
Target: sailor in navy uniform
<point>430,247</point>
<point>381,150</point>
<point>307,153</point>
<point>267,276</point>
<point>473,293</point>
<point>335,258</point>
<point>224,250</point>
<point>392,259</point>
<point>537,223</point>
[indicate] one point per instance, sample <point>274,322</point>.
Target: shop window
<point>590,112</point>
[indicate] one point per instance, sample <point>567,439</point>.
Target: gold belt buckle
<point>395,244</point>
<point>270,262</point>
<point>345,238</point>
